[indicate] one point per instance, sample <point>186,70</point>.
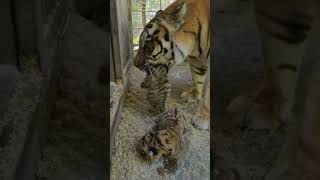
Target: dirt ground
<point>195,157</point>
<point>76,146</point>
<point>238,70</point>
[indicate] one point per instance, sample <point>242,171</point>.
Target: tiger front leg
<point>199,69</point>
<point>171,160</point>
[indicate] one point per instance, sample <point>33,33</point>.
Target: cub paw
<point>191,95</point>
<point>171,164</point>
<point>201,120</point>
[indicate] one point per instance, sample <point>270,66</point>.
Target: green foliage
<point>135,40</point>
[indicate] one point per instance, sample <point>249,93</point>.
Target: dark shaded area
<point>76,143</point>
<point>93,10</point>
<point>5,135</point>
<point>238,70</point>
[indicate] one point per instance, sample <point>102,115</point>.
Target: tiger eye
<point>156,32</point>
<point>149,26</point>
<point>165,50</point>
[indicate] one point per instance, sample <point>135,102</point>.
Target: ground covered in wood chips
<point>195,157</point>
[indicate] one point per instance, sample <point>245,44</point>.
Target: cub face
<point>154,145</point>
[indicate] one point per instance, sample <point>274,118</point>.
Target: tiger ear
<point>159,13</point>
<point>174,20</point>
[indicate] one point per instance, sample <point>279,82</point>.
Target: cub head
<point>154,145</point>
<point>156,40</point>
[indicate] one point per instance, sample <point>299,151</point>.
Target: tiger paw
<point>191,95</point>
<point>201,120</point>
<point>248,114</point>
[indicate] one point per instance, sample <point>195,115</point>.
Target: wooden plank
<point>117,119</point>
<point>115,40</point>
<point>112,70</point>
<point>122,54</point>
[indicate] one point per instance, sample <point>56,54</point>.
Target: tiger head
<point>157,44</point>
<point>155,145</point>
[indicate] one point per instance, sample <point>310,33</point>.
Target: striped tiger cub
<point>158,87</point>
<point>164,140</point>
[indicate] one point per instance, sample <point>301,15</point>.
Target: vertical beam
<point>115,40</point>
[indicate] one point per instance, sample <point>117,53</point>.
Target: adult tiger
<point>284,30</point>
<point>181,31</point>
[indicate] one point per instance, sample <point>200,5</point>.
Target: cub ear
<point>173,20</point>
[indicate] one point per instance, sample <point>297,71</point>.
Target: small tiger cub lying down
<point>164,140</point>
<point>158,86</point>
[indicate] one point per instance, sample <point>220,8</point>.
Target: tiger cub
<point>164,140</point>
<point>158,87</point>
